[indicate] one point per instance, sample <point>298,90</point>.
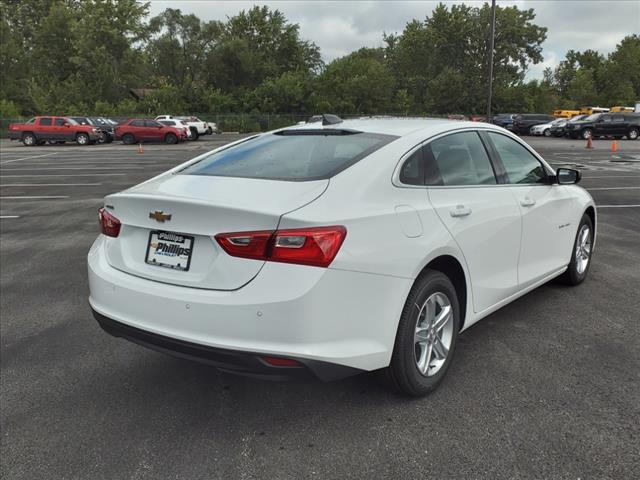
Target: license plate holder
<point>169,250</point>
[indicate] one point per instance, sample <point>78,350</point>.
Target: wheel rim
<point>433,334</point>
<point>547,133</point>
<point>586,134</point>
<point>28,140</point>
<point>633,134</point>
<point>82,139</point>
<point>583,249</point>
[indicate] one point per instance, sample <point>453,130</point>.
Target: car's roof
<point>390,125</point>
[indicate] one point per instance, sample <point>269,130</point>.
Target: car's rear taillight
<point>109,225</point>
<point>316,246</point>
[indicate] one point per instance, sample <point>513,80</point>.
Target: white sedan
<point>338,247</point>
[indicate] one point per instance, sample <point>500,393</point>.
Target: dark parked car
<point>616,125</point>
<point>105,129</point>
<point>143,130</point>
<point>504,120</point>
<point>559,129</point>
<point>522,123</point>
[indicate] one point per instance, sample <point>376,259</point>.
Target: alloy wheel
<point>583,249</point>
<point>433,334</point>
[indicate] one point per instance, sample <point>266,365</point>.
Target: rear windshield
<point>294,155</point>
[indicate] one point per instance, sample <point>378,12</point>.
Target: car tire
<point>194,133</point>
<point>128,139</point>
<point>547,133</point>
<point>586,134</point>
<point>633,134</point>
<point>420,356</point>
<point>82,139</point>
<point>170,139</point>
<point>581,254</point>
<point>102,137</point>
<point>29,140</point>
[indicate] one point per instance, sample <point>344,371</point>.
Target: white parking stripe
<point>9,216</point>
<point>26,158</point>
<point>67,175</point>
<point>612,188</point>
<point>613,176</point>
<point>617,206</point>
<point>37,197</point>
<point>71,168</point>
<point>49,184</point>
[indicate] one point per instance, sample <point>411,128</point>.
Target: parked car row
<point>90,130</point>
<point>615,125</point>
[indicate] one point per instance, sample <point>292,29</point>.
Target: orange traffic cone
<point>614,146</point>
<point>140,149</point>
<point>589,143</point>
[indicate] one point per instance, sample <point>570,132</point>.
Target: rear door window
<point>137,123</point>
<point>46,121</point>
<point>458,159</point>
<point>521,166</point>
<point>294,155</point>
<point>60,122</point>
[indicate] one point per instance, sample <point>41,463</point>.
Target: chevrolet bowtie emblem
<point>159,216</point>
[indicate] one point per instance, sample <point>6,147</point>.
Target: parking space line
<point>49,184</point>
<point>70,168</point>
<point>66,175</point>
<point>36,197</point>
<point>618,206</point>
<point>613,176</point>
<point>9,216</point>
<point>26,158</point>
<point>613,188</point>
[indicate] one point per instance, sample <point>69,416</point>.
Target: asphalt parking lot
<point>547,387</point>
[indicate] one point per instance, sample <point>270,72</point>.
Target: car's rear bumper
<point>309,314</point>
<point>233,361</point>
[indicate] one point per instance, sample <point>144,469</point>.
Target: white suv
<point>338,247</point>
<point>196,126</point>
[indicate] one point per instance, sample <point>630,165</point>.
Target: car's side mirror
<point>568,176</point>
<point>66,124</point>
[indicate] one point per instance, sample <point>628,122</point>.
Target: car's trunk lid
<point>199,207</point>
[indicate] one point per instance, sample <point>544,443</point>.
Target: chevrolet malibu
<point>337,247</point>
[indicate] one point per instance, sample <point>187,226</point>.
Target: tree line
<point>77,56</point>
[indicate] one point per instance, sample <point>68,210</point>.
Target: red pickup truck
<point>138,130</point>
<point>39,130</point>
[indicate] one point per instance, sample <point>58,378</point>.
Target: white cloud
<point>340,27</point>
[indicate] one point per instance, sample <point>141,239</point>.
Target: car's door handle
<point>527,202</point>
<point>460,211</point>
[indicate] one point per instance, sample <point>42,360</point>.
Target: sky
<point>340,27</point>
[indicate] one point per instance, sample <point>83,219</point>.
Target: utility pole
<point>491,42</point>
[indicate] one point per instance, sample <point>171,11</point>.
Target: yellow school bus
<point>565,113</point>
<point>621,109</point>
<point>592,110</point>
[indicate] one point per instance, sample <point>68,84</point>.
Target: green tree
<point>451,45</point>
<point>256,45</point>
<point>360,82</point>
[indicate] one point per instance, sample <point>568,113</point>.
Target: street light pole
<point>491,43</point>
